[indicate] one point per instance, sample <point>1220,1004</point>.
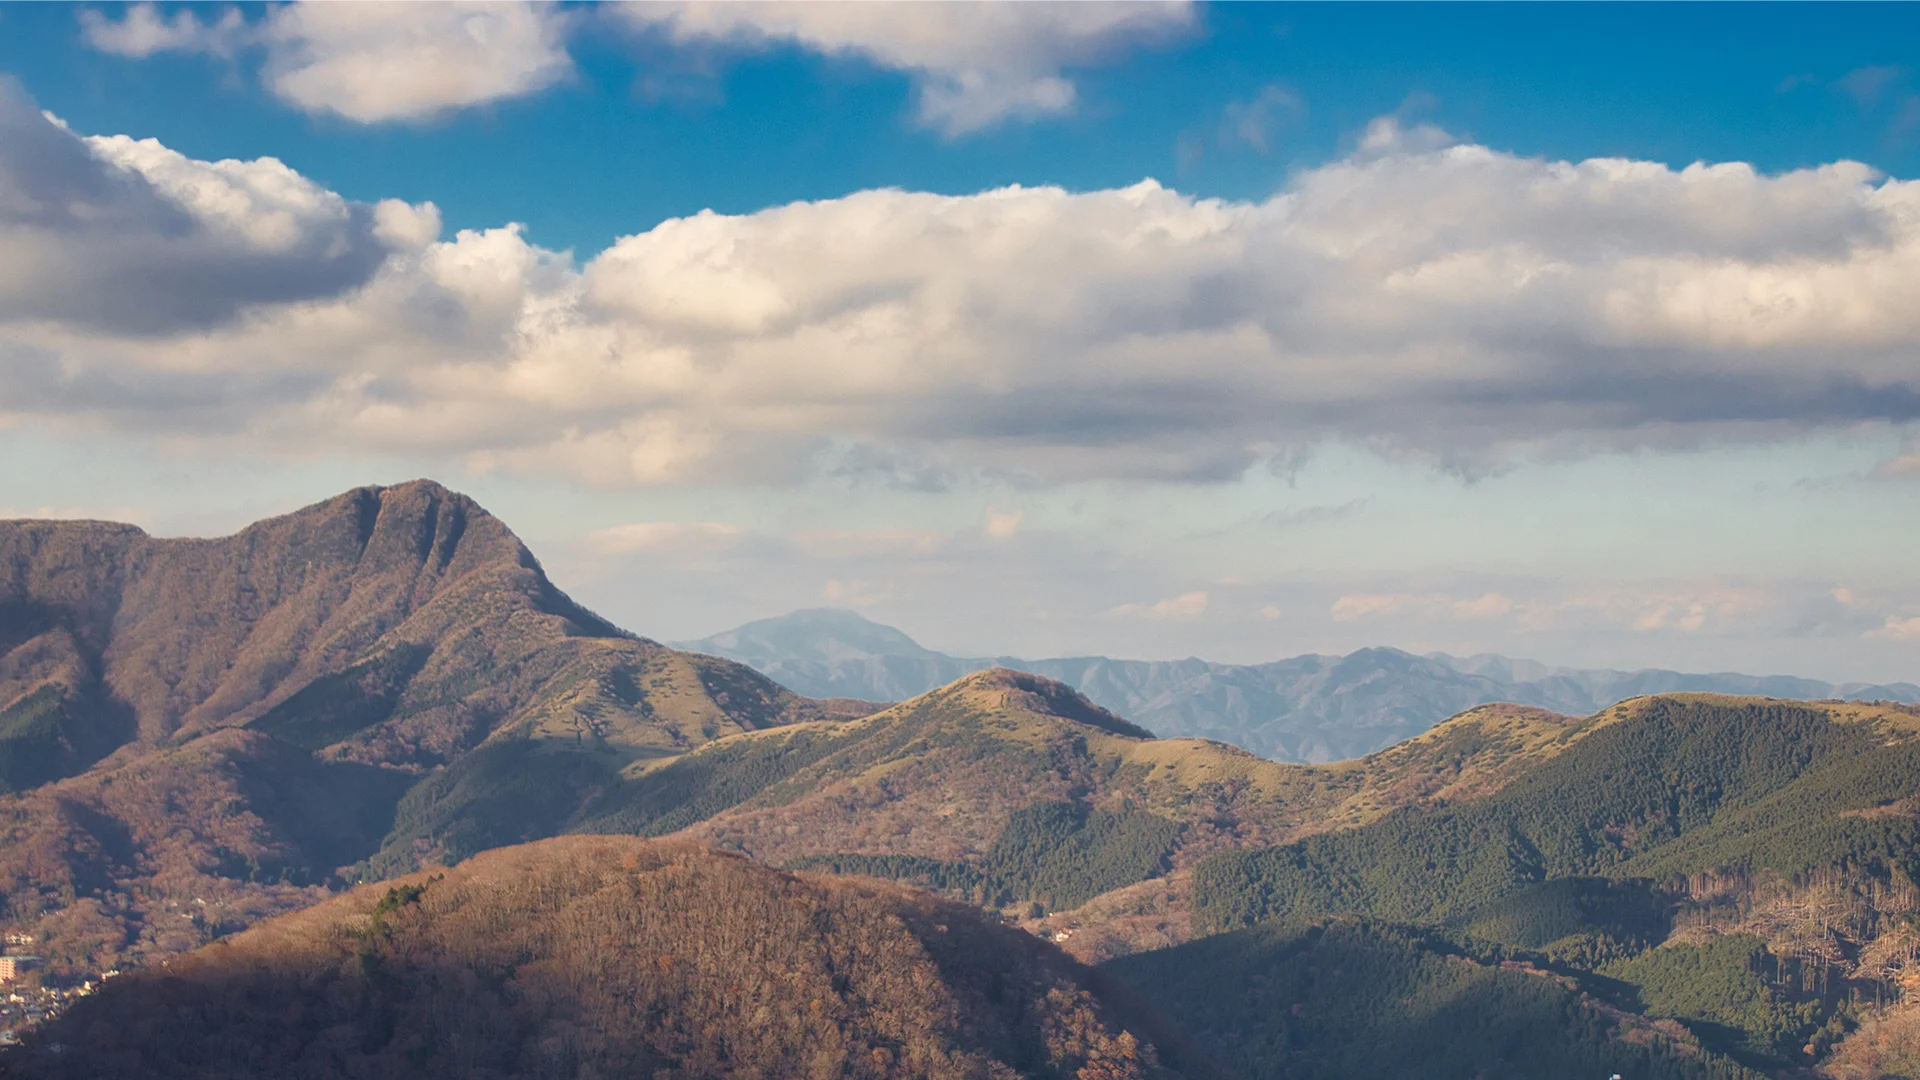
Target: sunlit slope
<point>606,956</point>
<point>198,733</point>
<point>1659,785</point>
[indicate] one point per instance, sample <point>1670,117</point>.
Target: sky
<point>1586,334</point>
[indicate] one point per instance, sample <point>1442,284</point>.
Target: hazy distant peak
<point>821,635</point>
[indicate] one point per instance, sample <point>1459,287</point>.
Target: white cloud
<point>1003,525</point>
<point>1187,605</point>
<point>365,61</point>
<point>145,31</point>
<point>653,536</point>
<point>1898,629</point>
<point>374,62</point>
<point>127,235</point>
<point>1458,305</point>
<point>976,63</point>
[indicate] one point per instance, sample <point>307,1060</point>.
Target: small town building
<point>12,967</point>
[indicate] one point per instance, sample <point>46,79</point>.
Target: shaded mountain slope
<point>1308,708</point>
<point>1349,999</point>
<point>199,732</point>
<point>590,957</point>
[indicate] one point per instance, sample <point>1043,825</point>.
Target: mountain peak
<point>1012,689</point>
<point>820,635</point>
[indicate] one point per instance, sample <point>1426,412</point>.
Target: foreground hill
<point>200,732</point>
<point>602,957</point>
<point>1307,709</point>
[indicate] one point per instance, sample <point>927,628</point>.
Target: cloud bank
<point>1444,302</point>
<point>124,235</point>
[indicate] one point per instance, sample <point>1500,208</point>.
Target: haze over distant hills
<point>1310,708</point>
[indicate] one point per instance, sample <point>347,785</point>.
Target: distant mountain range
<point>1311,708</point>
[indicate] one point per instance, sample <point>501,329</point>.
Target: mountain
<point>610,957</point>
<point>1309,708</point>
<point>199,733</point>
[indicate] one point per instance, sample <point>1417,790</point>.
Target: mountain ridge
<point>182,721</point>
<point>1312,708</point>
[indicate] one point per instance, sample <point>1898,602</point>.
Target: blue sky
<point>1425,333</point>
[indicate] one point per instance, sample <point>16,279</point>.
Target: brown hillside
<point>603,957</point>
<point>273,693</point>
<point>956,778</point>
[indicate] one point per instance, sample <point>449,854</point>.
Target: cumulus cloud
<point>975,63</point>
<point>126,235</point>
<point>368,62</point>
<point>1449,303</point>
<point>144,31</point>
<point>374,62</point>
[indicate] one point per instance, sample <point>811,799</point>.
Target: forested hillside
<point>1746,867</point>
<point>607,957</point>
